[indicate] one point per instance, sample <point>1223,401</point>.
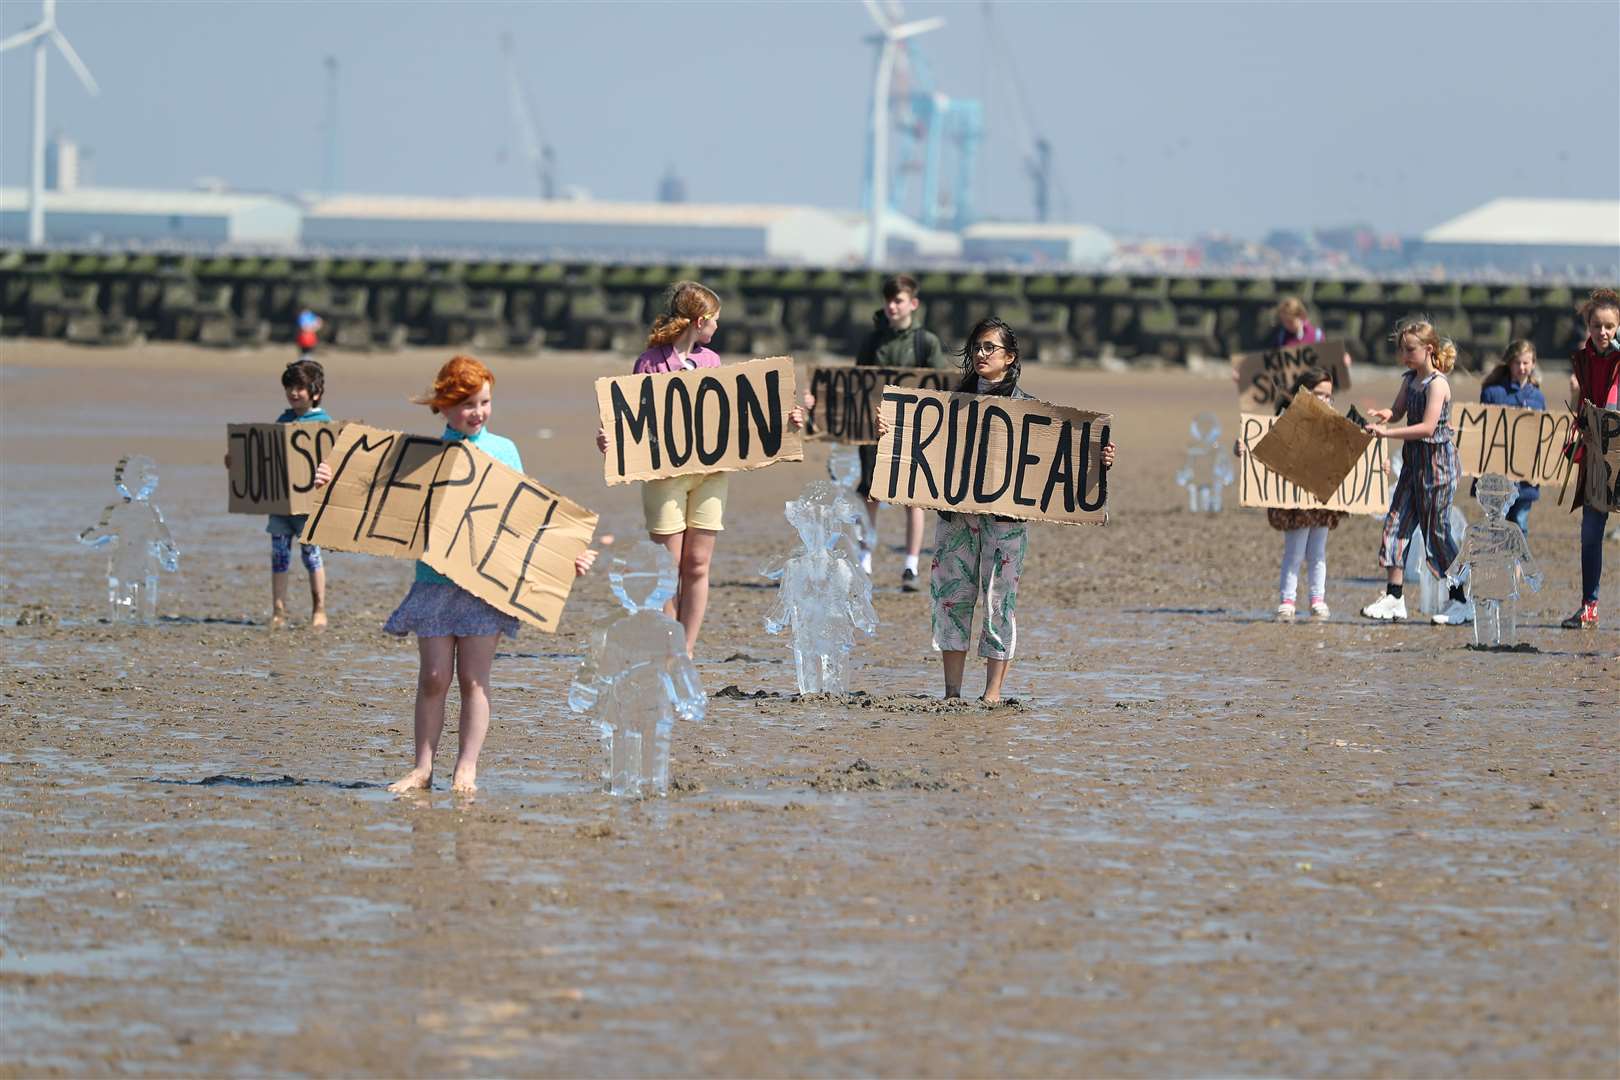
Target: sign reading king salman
<point>507,539</point>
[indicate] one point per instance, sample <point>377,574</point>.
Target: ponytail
<point>685,303</point>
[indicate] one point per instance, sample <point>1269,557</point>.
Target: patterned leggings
<point>975,553</point>
<point>281,555</point>
<point>1422,500</point>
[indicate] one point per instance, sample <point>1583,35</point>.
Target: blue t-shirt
<point>317,415</point>
<point>500,448</point>
<point>1523,396</point>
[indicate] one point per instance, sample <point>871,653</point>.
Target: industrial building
<point>581,229</point>
<point>123,216</point>
<point>1036,243</point>
<point>1528,237</point>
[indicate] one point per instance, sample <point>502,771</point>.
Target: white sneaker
<point>1285,613</point>
<point>1319,611</point>
<point>1455,613</point>
<point>1386,608</point>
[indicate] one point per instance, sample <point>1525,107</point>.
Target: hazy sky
<point>1164,118</point>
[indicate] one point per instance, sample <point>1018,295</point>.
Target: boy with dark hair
<point>897,340</point>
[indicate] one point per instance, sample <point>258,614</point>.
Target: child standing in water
<point>1516,382</point>
<point>304,383</point>
<point>981,555</point>
<point>1423,494</point>
<point>1595,378</point>
<point>456,632</point>
<point>1305,532</point>
<point>685,514</point>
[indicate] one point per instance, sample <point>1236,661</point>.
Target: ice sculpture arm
<point>164,548</point>
<point>781,613</point>
<point>587,685</point>
<point>861,612</point>
<point>1527,562</point>
<point>102,533</point>
<point>690,700</point>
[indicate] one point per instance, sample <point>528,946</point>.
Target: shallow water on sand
<point>1198,843</point>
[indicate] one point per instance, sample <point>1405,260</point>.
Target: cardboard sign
<point>1601,437</point>
<point>273,465</point>
<point>847,397</point>
<point>1364,491</point>
<point>1521,444</point>
<point>503,537</point>
<point>1266,379</point>
<point>1313,446</point>
<point>982,454</point>
<point>706,420</point>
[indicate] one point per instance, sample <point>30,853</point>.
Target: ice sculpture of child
<point>1208,468</point>
<point>137,541</point>
<point>1496,555</point>
<point>824,595</point>
<point>636,677</point>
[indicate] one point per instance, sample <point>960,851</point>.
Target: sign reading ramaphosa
<point>847,397</point>
<point>704,420</point>
<point>1364,491</point>
<point>1601,438</point>
<point>1266,379</point>
<point>1521,444</point>
<point>983,454</point>
<point>503,537</point>
<point>273,465</point>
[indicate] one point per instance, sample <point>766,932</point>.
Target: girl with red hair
<point>456,632</point>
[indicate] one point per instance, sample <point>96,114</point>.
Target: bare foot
<point>415,780</point>
<point>988,700</point>
<point>317,621</point>
<point>464,781</point>
<point>278,619</point>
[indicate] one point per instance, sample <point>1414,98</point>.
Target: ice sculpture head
<point>844,465</point>
<point>136,477</point>
<point>643,577</point>
<point>1206,429</point>
<point>1495,493</point>
<point>820,513</point>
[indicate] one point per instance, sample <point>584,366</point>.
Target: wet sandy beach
<point>1199,843</point>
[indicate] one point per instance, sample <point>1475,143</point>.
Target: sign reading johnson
<point>503,537</point>
<point>705,420</point>
<point>983,454</point>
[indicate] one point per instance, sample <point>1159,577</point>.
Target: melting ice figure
<point>137,541</point>
<point>824,596</point>
<point>636,677</point>
<point>1208,469</point>
<point>1495,555</point>
<point>844,468</point>
<point>1432,592</point>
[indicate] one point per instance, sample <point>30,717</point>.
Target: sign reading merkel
<point>983,454</point>
<point>704,420</point>
<point>503,537</point>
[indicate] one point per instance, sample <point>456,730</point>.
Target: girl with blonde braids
<point>685,513</point>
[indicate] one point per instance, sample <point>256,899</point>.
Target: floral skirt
<point>432,609</point>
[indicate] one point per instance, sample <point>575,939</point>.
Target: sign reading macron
<point>984,454</point>
<point>705,420</point>
<point>503,537</point>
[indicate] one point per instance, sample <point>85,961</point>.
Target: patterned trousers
<point>974,554</point>
<point>1422,500</point>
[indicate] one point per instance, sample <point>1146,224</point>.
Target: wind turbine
<point>893,32</point>
<point>39,33</point>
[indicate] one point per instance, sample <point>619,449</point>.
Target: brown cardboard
<point>847,397</point>
<point>984,454</point>
<point>1364,491</point>
<point>1521,444</point>
<point>706,420</point>
<point>1265,379</point>
<point>503,537</point>
<point>1313,446</point>
<point>272,468</point>
<point>1601,437</point>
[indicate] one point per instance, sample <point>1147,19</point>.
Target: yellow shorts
<point>678,503</point>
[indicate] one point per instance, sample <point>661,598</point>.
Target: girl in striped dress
<point>1422,497</point>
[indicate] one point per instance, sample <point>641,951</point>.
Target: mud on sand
<point>1200,843</point>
